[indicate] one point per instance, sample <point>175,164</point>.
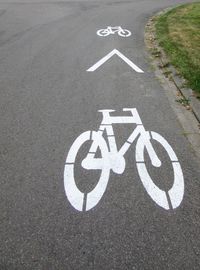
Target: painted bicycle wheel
<point>124,33</point>
<point>161,197</point>
<point>103,32</point>
<point>79,200</point>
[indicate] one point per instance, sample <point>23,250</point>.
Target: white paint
<point>109,55</point>
<point>74,195</point>
<point>112,30</point>
<point>113,159</point>
<point>144,140</point>
<point>159,196</point>
<point>177,191</point>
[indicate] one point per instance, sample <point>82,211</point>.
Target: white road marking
<point>110,30</point>
<point>159,196</point>
<point>109,55</point>
<point>113,159</point>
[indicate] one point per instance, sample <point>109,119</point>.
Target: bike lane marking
<point>109,55</point>
<point>111,30</point>
<point>113,159</point>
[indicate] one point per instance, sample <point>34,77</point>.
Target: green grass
<point>178,32</point>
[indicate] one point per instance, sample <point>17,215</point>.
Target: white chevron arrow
<point>109,55</point>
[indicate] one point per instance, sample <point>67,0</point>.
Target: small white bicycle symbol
<point>113,159</point>
<point>112,30</point>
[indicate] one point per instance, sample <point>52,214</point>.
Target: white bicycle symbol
<point>113,159</point>
<point>112,30</point>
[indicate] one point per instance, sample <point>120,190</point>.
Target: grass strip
<point>178,32</point>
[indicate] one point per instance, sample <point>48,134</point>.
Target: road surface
<point>48,98</point>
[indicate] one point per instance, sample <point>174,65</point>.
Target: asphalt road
<point>47,99</point>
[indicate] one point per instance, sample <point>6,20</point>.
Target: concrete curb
<point>189,112</point>
<point>187,93</point>
<point>170,71</point>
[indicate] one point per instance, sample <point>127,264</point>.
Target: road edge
<point>173,85</point>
